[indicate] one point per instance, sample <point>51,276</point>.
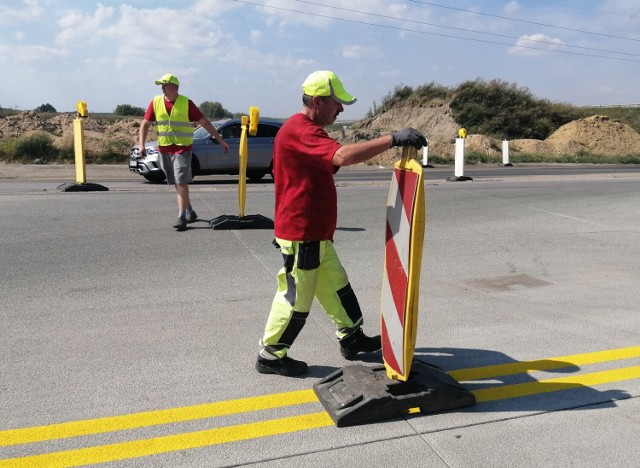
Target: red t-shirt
<point>194,115</point>
<point>306,199</point>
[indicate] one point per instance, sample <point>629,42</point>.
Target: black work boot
<point>358,342</point>
<point>283,366</point>
<point>181,224</point>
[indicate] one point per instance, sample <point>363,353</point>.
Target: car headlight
<point>135,152</point>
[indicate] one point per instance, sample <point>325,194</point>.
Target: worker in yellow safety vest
<point>174,116</point>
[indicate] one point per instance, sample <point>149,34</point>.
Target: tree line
<point>211,110</point>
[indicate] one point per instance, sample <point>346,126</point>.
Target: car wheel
<point>255,176</point>
<point>195,166</point>
<point>155,178</point>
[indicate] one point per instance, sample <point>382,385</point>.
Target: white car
<point>208,156</point>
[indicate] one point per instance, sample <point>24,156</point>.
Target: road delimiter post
<point>81,184</point>
<point>458,173</point>
<point>505,153</point>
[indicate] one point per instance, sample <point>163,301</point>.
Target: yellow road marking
<point>553,385</point>
<point>172,443</point>
<point>153,418</point>
<point>559,362</point>
<point>210,437</point>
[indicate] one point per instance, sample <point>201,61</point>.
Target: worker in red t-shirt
<point>305,159</point>
<point>174,115</point>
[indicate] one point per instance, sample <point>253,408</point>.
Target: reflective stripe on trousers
<point>311,269</point>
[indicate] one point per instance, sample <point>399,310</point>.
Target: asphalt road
<point>126,343</point>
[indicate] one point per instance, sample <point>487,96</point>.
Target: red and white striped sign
<point>399,293</point>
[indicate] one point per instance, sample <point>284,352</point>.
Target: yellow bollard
<point>81,184</point>
<point>243,153</point>
<point>250,125</point>
<point>78,142</point>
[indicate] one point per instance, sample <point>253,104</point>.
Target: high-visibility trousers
<point>311,269</point>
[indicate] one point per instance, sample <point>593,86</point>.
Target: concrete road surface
<point>126,343</point>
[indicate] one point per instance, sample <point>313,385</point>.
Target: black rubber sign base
<point>88,187</point>
<point>358,394</point>
<point>230,222</point>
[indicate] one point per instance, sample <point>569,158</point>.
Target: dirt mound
<point>483,144</point>
<point>433,120</point>
<point>100,134</point>
<point>530,146</point>
<point>597,134</point>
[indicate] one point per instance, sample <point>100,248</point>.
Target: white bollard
<point>425,156</point>
<point>459,167</point>
<point>505,153</point>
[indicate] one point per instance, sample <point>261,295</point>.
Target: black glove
<point>408,137</point>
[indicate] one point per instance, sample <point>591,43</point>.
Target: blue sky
<point>258,52</point>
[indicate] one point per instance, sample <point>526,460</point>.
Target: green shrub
<point>432,91</point>
<point>505,110</point>
<point>113,151</point>
<point>214,110</point>
<point>29,147</point>
<point>129,110</point>
<point>46,108</point>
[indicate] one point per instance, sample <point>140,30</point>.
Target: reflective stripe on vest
<point>174,129</point>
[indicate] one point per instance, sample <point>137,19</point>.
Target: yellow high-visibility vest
<point>174,128</point>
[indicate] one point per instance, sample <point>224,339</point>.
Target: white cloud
<point>255,36</point>
<point>25,11</point>
<point>535,45</point>
<point>319,15</point>
<point>213,7</point>
<point>81,27</point>
<point>393,74</point>
<point>253,59</point>
<point>131,33</point>
<point>511,7</point>
<point>361,52</point>
<point>31,53</point>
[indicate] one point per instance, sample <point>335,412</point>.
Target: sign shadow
<point>501,383</point>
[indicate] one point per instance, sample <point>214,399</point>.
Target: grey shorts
<point>177,167</point>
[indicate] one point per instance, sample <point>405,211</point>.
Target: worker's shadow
<point>509,385</point>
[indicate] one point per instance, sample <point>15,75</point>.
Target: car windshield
<point>201,132</point>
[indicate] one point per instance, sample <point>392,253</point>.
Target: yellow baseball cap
<point>326,83</point>
<point>168,79</point>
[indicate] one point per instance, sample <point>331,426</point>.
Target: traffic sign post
<point>80,184</point>
<point>358,394</point>
<point>249,126</point>
<point>402,262</point>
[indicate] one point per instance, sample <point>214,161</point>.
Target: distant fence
<point>614,105</point>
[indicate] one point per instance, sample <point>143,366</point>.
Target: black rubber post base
<point>426,165</point>
<point>508,165</point>
<point>88,187</point>
<point>358,394</point>
<point>231,222</point>
<point>458,178</point>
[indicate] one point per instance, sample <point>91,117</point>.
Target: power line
<point>539,41</point>
<point>247,2</point>
<point>561,5</point>
<point>525,21</point>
